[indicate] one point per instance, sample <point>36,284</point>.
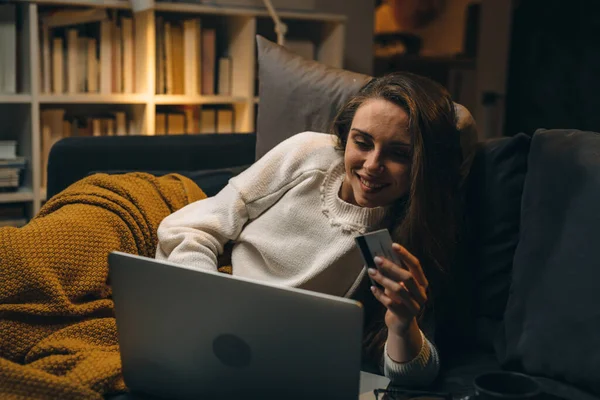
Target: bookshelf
<point>27,107</point>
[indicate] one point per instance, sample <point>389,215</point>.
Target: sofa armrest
<point>74,158</point>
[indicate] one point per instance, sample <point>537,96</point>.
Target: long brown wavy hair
<point>426,221</point>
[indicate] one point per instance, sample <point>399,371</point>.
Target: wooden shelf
<point>236,28</point>
<point>176,99</point>
<point>82,3</point>
<point>21,195</point>
<point>93,98</point>
<point>15,98</point>
<point>245,11</point>
<point>198,9</point>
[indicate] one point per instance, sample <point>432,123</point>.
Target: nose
<point>373,163</point>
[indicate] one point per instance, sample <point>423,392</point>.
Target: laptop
<point>191,334</point>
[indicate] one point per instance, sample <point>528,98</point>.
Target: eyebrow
<point>394,143</point>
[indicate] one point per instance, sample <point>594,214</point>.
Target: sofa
<point>525,294</point>
<point>523,234</point>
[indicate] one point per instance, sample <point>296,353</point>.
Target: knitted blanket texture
<point>58,337</point>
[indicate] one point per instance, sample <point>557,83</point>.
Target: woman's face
<point>377,155</point>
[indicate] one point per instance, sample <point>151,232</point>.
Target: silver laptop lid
<point>185,334</point>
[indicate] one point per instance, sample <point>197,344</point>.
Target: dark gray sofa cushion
<point>494,194</point>
<point>552,319</point>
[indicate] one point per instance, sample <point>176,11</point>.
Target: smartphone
<point>377,243</point>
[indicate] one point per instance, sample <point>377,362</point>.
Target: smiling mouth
<point>370,186</point>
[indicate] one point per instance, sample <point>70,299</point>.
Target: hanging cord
<point>280,27</point>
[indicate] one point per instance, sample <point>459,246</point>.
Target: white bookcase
<point>20,112</point>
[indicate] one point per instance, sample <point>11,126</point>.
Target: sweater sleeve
<point>196,234</point>
<point>420,371</point>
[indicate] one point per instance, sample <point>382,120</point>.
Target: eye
<point>400,154</point>
<point>362,145</point>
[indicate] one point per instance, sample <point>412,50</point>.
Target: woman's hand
<point>405,289</point>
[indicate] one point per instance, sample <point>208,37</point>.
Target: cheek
<point>401,174</point>
<point>351,159</point>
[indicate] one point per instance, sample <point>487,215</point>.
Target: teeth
<point>370,185</point>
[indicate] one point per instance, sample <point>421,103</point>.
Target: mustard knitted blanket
<point>57,328</point>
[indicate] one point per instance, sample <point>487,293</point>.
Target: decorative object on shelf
<point>416,14</point>
<point>397,23</point>
<point>10,166</point>
<point>390,44</point>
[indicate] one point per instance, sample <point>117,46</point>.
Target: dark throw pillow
<point>495,188</point>
<point>297,94</point>
<point>552,319</point>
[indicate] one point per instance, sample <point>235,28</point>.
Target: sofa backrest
<point>208,159</point>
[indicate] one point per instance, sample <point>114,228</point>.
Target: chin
<point>370,203</point>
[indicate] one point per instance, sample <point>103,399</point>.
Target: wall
<point>444,36</point>
<point>359,31</point>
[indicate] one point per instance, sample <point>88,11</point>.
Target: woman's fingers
<point>400,291</point>
<point>394,301</point>
<point>396,274</point>
<point>413,264</point>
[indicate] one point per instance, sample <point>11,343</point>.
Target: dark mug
<point>505,385</point>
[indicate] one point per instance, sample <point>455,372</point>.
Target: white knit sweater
<point>290,228</point>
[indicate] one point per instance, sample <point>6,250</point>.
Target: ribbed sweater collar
<point>348,217</point>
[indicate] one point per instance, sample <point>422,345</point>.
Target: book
<point>128,65</point>
<point>141,21</point>
<point>191,51</point>
<point>106,56</point>
<point>8,149</point>
<point>192,119</point>
<point>175,123</point>
<point>46,59</point>
<point>57,66</point>
<point>82,68</point>
<point>225,121</point>
<point>224,76</point>
<point>8,48</point>
<point>72,65</point>
<point>160,124</point>
<point>92,66</point>
<point>16,162</point>
<point>116,61</point>
<point>169,87</point>
<point>121,123</point>
<point>208,120</point>
<point>160,57</point>
<point>178,58</point>
<point>209,47</point>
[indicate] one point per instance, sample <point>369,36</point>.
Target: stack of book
<point>88,51</point>
<point>194,119</point>
<point>186,59</point>
<point>10,166</point>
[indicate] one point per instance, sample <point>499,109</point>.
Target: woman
<point>393,162</point>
